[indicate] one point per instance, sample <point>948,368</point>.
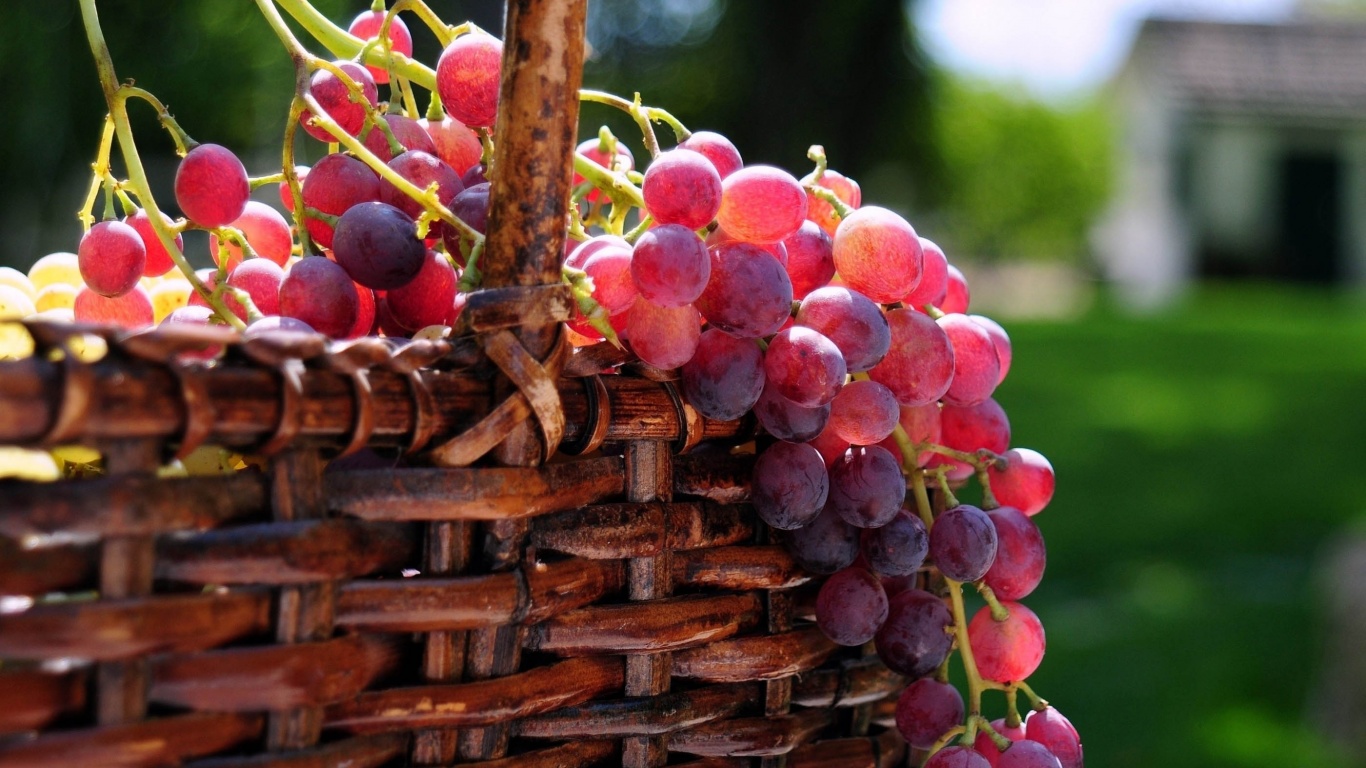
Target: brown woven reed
<point>619,604</point>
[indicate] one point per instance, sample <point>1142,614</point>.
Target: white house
<point>1242,154</point>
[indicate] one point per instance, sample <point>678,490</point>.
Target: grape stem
<point>116,96</point>
<point>643,115</point>
<point>816,154</point>
<point>1012,710</point>
<point>975,686</point>
<point>944,740</point>
<point>998,612</point>
<point>1002,743</point>
<point>841,210</point>
<point>100,169</point>
<point>1035,701</point>
<point>581,286</point>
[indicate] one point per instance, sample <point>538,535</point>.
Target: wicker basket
<point>619,603</point>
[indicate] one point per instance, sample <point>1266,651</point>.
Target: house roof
<point>1299,69</point>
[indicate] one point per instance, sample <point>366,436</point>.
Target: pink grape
<point>810,259</point>
<point>824,545</point>
<point>987,748</point>
<point>851,606</point>
<point>866,487</point>
<point>367,25</point>
<point>377,245</point>
<point>1051,729</point>
<point>670,265</point>
<point>613,287</point>
<point>335,184</point>
<point>999,339</point>
<point>1026,483</point>
<point>957,757</point>
<point>365,315</point>
<point>111,258</point>
<point>919,366</point>
<point>864,412</point>
<point>956,295</point>
<point>276,323</point>
<point>934,278</point>
<point>963,543</point>
<point>467,78</point>
<point>725,376</point>
<point>898,548</point>
<point>971,428</point>
<point>1020,555</point>
<point>716,148</point>
<point>194,316</point>
<point>426,299</point>
<point>665,337</point>
<point>848,318</point>
<point>456,144</point>
<point>579,254</point>
<point>915,639</point>
<point>286,195</point>
<point>761,204</point>
<point>1026,753</point>
<point>320,293</point>
<point>261,279</point>
<point>682,187</point>
<point>821,212</point>
<point>878,254</point>
<point>158,259</point>
<point>786,420</point>
<point>926,710</point>
<point>211,186</point>
<point>748,294</point>
<point>976,368</point>
<point>805,366</point>
<point>1010,650</point>
<point>334,98</point>
<point>130,310</point>
<point>266,232</point>
<point>408,132</point>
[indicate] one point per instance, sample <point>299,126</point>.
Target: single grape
<point>455,143</point>
<point>851,320</point>
<point>970,428</point>
<point>467,78</point>
<point>320,293</point>
<point>761,204</point>
<point>917,635</point>
<point>822,213</point>
<point>1020,554</point>
<point>748,294</point>
<point>578,255</point>
<point>426,299</point>
<point>335,184</point>
<point>716,148</point>
<point>408,132</point>
<point>682,187</point>
<point>926,710</point>
<point>377,245</point>
<point>810,259</point>
<point>824,545</point>
<point>790,485</point>
<point>334,98</point>
<point>670,265</point>
<point>665,337</point>
<point>956,294</point>
<point>864,413</point>
<point>804,366</point>
<point>919,366</point>
<point>963,543</point>
<point>130,310</point>
<point>725,376</point>
<point>111,257</point>
<point>1026,483</point>
<point>261,279</point>
<point>276,324</point>
<point>866,487</point>
<point>1026,753</point>
<point>999,339</point>
<point>934,278</point>
<point>878,254</point>
<point>1010,650</point>
<point>422,169</point>
<point>471,207</point>
<point>195,316</point>
<point>211,186</point>
<point>851,606</point>
<point>62,296</point>
<point>987,748</point>
<point>1051,729</point>
<point>158,260</point>
<point>266,232</point>
<point>957,757</point>
<point>976,368</point>
<point>899,547</point>
<point>786,420</point>
<point>367,25</point>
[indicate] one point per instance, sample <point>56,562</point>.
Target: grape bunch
<point>835,323</point>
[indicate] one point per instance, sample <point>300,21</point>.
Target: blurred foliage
<point>1023,179</point>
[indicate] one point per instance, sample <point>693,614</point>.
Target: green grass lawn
<point>1206,458</point>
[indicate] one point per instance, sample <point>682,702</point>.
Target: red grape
<point>1026,753</point>
<point>613,287</point>
<point>786,420</point>
<point>467,78</point>
<point>761,204</point>
<point>1010,650</point>
<point>987,748</point>
<point>334,185</point>
<point>934,278</point>
<point>287,196</point>
<point>919,366</point>
<point>810,259</point>
<point>963,543</point>
<point>1020,554</point>
<point>365,315</point>
<point>969,429</point>
<point>916,637</point>
<point>878,254</point>
<point>805,366</point>
<point>851,606</point>
<point>422,169</point>
<point>832,447</point>
<point>1051,729</point>
<point>852,321</point>
<point>976,369</point>
<point>725,376</point>
<point>864,413</point>
<point>456,144</point>
<point>111,257</point>
<point>366,26</point>
<point>266,232</point>
<point>158,260</point>
<point>131,310</point>
<point>320,293</point>
<point>821,212</point>
<point>716,148</point>
<point>334,98</point>
<point>790,485</point>
<point>261,279</point>
<point>426,299</point>
<point>211,186</point>
<point>748,294</point>
<point>999,339</point>
<point>408,132</point>
<point>956,294</point>
<point>670,265</point>
<point>682,187</point>
<point>1026,483</point>
<point>926,710</point>
<point>957,757</point>
<point>665,337</point>
<point>377,245</point>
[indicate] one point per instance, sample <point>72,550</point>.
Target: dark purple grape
<point>377,245</point>
<point>899,547</point>
<point>1020,554</point>
<point>786,420</point>
<point>790,485</point>
<point>825,545</point>
<point>748,294</point>
<point>852,321</point>
<point>956,757</point>
<point>851,606</point>
<point>866,486</point>
<point>725,376</point>
<point>926,710</point>
<point>916,637</point>
<point>963,543</point>
<point>1028,754</point>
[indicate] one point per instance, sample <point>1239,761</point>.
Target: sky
<point>1058,48</point>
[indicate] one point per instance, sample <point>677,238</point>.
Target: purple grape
<point>748,294</point>
<point>956,757</point>
<point>866,486</point>
<point>1028,754</point>
<point>963,543</point>
<point>786,420</point>
<point>916,637</point>
<point>851,606</point>
<point>670,265</point>
<point>377,245</point>
<point>926,710</point>
<point>825,545</point>
<point>725,376</point>
<point>852,321</point>
<point>899,547</point>
<point>1051,729</point>
<point>790,485</point>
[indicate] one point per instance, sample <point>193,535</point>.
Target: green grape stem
<point>1035,701</point>
<point>998,612</point>
<point>1002,743</point>
<point>816,154</point>
<point>841,209</point>
<point>975,682</point>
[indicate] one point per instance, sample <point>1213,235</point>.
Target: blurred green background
<point>1208,455</point>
